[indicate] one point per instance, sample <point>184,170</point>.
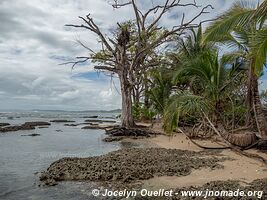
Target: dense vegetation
<point>180,75</point>
<point>200,83</point>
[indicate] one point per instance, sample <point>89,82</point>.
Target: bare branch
<point>90,25</point>
<point>118,5</point>
<point>86,47</point>
<point>74,63</point>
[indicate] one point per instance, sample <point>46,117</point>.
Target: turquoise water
<point>22,157</point>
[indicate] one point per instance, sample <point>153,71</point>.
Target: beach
<point>71,160</point>
<point>153,166</point>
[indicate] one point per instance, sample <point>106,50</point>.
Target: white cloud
<point>33,41</point>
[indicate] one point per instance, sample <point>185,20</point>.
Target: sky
<point>34,42</point>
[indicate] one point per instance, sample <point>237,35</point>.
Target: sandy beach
<point>239,168</point>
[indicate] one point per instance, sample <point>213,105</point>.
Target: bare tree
<point>128,54</point>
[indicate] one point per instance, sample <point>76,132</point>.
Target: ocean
<point>22,158</point>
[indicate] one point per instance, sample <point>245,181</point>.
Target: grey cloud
<point>33,41</point>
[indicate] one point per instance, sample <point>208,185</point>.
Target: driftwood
<point>235,148</point>
<point>250,140</point>
<point>201,146</point>
<point>205,129</point>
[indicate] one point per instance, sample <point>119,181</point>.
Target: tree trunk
<point>146,100</point>
<point>258,111</point>
<point>249,98</point>
<point>126,115</point>
<point>255,114</point>
<point>136,96</point>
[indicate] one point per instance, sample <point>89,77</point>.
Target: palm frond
<point>230,58</point>
<point>238,15</point>
<point>181,105</point>
<point>261,12</point>
<point>259,48</point>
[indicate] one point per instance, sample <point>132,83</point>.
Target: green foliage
<point>100,56</point>
<point>261,12</point>
<point>235,113</point>
<point>211,82</point>
<point>140,112</point>
<point>243,27</point>
<point>202,67</point>
<point>237,15</point>
<point>160,80</point>
<point>136,111</point>
<point>259,46</point>
<point>181,105</point>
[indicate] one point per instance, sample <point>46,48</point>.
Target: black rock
<point>71,124</point>
<point>33,134</point>
<point>4,124</point>
<point>16,128</point>
<point>43,127</point>
<point>38,123</point>
<point>93,116</point>
<point>61,121</point>
<point>100,121</point>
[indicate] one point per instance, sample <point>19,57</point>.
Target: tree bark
<point>258,110</point>
<point>136,95</point>
<point>146,99</point>
<point>127,120</point>
<point>255,114</point>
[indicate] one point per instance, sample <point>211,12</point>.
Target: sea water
<point>21,158</point>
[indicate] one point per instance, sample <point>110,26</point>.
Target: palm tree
<point>160,88</point>
<point>208,81</point>
<point>241,27</point>
<point>181,105</point>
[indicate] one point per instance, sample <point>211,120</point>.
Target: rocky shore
<point>100,121</point>
<point>128,165</point>
<point>26,126</point>
<point>61,121</point>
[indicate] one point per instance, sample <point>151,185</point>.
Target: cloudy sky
<point>34,41</point>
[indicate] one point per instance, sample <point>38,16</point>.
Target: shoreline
<point>234,167</point>
<point>181,164</point>
<point>247,171</point>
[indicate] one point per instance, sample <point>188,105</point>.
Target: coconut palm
<point>183,104</point>
<point>241,28</point>
<point>161,85</point>
<point>208,81</point>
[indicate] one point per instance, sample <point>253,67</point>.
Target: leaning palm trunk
<point>255,114</point>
